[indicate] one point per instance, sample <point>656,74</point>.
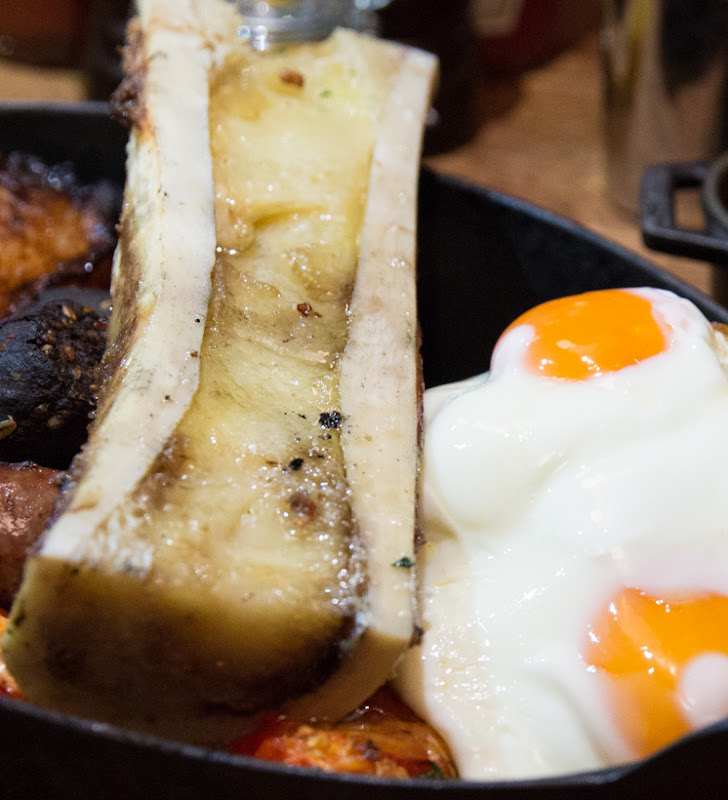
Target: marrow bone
<point>238,530</point>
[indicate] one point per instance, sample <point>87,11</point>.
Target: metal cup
<point>665,69</point>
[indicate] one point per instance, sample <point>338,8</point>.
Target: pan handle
<point>660,183</point>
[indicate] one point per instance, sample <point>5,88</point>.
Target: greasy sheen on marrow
<point>239,531</point>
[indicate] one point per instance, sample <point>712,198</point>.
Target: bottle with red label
<point>107,21</point>
<point>49,33</point>
<point>517,35</point>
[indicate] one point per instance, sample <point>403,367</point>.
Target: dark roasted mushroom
<point>49,357</point>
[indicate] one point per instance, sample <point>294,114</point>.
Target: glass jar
<point>288,21</point>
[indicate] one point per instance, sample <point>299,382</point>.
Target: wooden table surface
<point>539,138</point>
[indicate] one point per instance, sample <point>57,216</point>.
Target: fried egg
<point>575,510</point>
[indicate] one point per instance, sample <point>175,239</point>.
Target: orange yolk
<point>588,334</point>
<point>644,644</point>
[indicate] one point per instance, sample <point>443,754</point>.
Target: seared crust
<point>127,104</point>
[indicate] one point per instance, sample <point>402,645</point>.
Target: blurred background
<point>537,97</point>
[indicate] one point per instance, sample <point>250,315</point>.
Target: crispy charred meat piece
<point>53,230</point>
<point>49,357</point>
<point>27,496</point>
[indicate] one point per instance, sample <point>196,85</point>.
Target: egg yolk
<point>588,334</point>
<point>644,645</point>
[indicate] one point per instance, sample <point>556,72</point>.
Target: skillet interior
<point>483,258</point>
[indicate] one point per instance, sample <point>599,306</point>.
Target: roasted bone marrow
<point>224,547</point>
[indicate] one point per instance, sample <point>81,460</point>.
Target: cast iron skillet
<point>483,258</point>
<point>659,190</point>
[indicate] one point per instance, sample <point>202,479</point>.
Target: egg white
<point>542,498</point>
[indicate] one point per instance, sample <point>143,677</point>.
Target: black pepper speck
<point>330,419</point>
